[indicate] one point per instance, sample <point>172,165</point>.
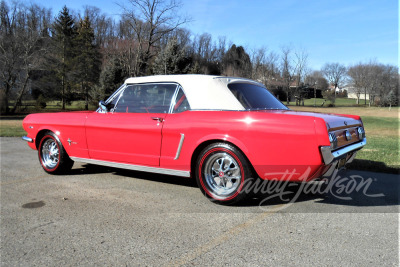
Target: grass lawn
<point>340,102</point>
<point>11,127</point>
<point>381,125</point>
<point>382,130</point>
<point>54,106</point>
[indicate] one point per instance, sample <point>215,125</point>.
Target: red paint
<point>273,141</point>
<point>124,137</point>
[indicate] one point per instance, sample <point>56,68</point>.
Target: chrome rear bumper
<point>329,156</point>
<point>27,139</point>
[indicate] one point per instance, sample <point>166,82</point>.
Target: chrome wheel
<point>222,174</point>
<point>50,153</point>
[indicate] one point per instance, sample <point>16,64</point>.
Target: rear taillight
<point>333,141</point>
<point>361,132</point>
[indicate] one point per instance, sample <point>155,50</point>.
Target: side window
<point>146,98</point>
<point>181,102</point>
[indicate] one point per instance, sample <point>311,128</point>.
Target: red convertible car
<point>224,131</point>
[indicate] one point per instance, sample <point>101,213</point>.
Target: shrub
<point>330,96</point>
<point>40,102</point>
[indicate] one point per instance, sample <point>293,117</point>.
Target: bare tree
<point>335,73</point>
<point>265,66</point>
<point>258,60</point>
<point>150,20</point>
<point>375,80</point>
<point>24,31</point>
<point>272,69</point>
<point>317,81</point>
<point>286,70</point>
<point>221,48</point>
<point>300,69</point>
<point>359,79</point>
<point>103,26</point>
<point>300,65</point>
<point>389,93</point>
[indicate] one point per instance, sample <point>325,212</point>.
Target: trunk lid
<point>339,124</point>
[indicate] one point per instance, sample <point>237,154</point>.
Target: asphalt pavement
<point>104,216</point>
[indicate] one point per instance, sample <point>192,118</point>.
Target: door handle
<point>157,119</point>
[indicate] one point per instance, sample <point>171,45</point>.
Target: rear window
<point>254,97</point>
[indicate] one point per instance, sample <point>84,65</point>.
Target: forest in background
<point>86,56</point>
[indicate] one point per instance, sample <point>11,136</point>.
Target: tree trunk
<point>9,84</point>
<point>20,95</point>
<point>63,76</point>
<point>86,97</point>
<point>63,92</point>
<point>365,97</point>
<point>7,108</point>
<point>315,97</point>
<point>287,97</point>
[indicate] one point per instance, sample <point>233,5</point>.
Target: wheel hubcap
<point>50,153</point>
<point>222,174</point>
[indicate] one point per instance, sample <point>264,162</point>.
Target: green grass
<point>380,149</point>
<point>340,102</point>
<point>379,155</point>
<point>381,126</point>
<point>11,127</point>
<point>53,106</point>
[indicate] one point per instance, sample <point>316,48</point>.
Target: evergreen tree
<point>237,62</point>
<point>111,77</point>
<point>172,60</point>
<point>64,41</point>
<point>196,69</point>
<point>88,59</point>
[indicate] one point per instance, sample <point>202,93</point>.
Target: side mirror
<point>103,106</point>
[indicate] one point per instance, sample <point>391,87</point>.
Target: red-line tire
<point>52,155</point>
<point>223,173</point>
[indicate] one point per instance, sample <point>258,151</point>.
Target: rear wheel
<point>222,172</point>
<point>52,155</point>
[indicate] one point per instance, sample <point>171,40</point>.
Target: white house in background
<point>338,89</point>
<point>351,93</point>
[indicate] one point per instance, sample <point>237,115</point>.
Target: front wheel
<point>222,172</point>
<point>52,155</point>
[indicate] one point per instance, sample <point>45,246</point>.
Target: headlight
<point>333,141</point>
<point>361,133</point>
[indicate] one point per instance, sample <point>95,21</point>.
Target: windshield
<point>254,97</point>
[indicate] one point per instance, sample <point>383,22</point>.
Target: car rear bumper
<point>329,156</point>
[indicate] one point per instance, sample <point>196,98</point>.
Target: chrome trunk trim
<point>133,167</point>
<point>178,151</point>
<point>328,156</point>
<point>27,139</point>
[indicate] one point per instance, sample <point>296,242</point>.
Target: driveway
<point>105,216</point>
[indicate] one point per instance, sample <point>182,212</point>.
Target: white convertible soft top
<point>202,91</point>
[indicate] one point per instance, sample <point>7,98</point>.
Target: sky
<point>341,31</point>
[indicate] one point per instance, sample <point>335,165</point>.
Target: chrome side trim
<point>178,151</point>
<point>328,156</point>
<point>133,167</point>
<point>27,139</point>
